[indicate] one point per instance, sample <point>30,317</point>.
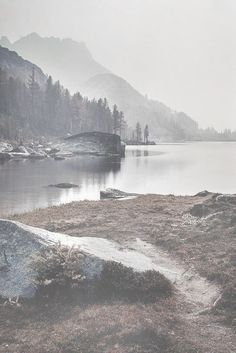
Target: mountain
<point>31,104</point>
<point>17,67</point>
<point>74,66</point>
<point>164,123</point>
<point>4,42</point>
<point>65,60</point>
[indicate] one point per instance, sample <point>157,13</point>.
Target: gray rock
<point>203,193</point>
<point>20,152</point>
<point>59,158</point>
<point>29,153</point>
<point>115,194</point>
<point>4,156</point>
<point>64,186</point>
<point>5,147</point>
<point>227,198</point>
<point>37,155</point>
<point>52,151</point>
<point>20,243</point>
<point>95,143</point>
<point>20,149</point>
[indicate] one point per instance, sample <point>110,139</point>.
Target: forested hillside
<point>72,63</point>
<point>32,104</point>
<point>164,123</point>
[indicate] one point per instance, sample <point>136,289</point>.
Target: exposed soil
<point>195,233</point>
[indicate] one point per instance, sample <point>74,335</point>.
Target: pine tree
<point>146,134</point>
<point>116,120</point>
<point>33,89</point>
<point>138,131</point>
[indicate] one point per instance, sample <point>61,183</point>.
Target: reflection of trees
<point>140,153</point>
<point>96,165</point>
<point>95,170</point>
<point>25,182</point>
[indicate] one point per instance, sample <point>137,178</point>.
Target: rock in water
<point>4,156</point>
<point>64,185</point>
<point>115,194</point>
<point>19,243</point>
<point>95,143</point>
<point>203,193</point>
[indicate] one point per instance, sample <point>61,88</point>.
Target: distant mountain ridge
<point>17,67</point>
<point>74,66</point>
<point>164,123</point>
<point>64,59</point>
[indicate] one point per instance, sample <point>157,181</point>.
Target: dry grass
<point>63,327</point>
<point>205,244</point>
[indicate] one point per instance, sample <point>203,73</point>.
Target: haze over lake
<point>180,169</point>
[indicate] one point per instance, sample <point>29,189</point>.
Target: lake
<point>180,169</point>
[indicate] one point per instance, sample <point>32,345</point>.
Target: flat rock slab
<point>115,194</point>
<point>19,243</point>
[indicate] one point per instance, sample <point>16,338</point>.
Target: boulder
<point>52,150</point>
<point>20,152</point>
<point>94,143</point>
<point>23,152</point>
<point>203,193</point>
<point>59,158</point>
<point>5,147</point>
<point>20,149</point>
<point>37,155</point>
<point>64,186</point>
<point>227,198</point>
<point>4,156</point>
<point>19,243</point>
<point>115,194</point>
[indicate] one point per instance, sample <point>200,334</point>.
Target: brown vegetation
<point>122,282</point>
<point>174,325</point>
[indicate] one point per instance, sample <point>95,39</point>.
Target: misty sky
<point>181,52</point>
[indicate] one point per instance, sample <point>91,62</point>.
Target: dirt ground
<point>197,232</point>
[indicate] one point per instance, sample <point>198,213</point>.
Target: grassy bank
<point>198,237</point>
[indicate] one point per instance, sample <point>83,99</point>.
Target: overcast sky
<point>181,52</point>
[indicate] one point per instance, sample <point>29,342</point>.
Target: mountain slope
<point>164,123</point>
<point>73,65</point>
<point>28,109</point>
<point>17,67</point>
<point>66,60</point>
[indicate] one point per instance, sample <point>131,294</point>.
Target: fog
<point>182,53</point>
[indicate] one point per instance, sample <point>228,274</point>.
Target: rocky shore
<point>91,143</point>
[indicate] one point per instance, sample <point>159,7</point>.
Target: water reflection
<point>140,153</point>
<point>24,184</point>
<point>165,169</point>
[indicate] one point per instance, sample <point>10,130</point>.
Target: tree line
<point>140,136</point>
<point>26,109</point>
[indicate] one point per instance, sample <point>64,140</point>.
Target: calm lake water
<point>180,169</point>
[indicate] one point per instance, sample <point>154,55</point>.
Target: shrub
<point>228,298</point>
<point>119,281</point>
<point>58,266</point>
